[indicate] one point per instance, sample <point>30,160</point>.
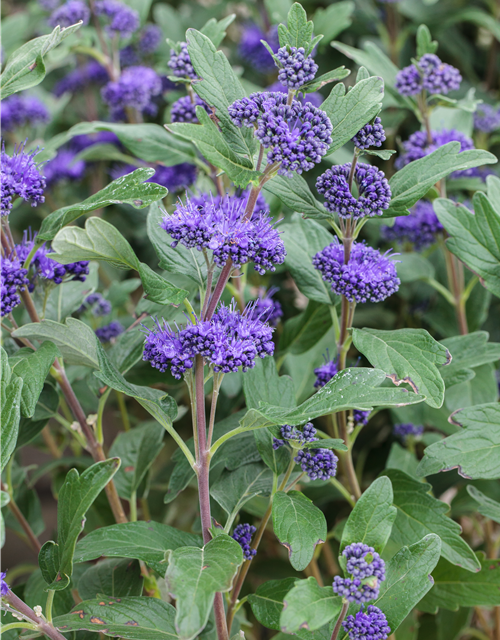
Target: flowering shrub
<point>249,357</point>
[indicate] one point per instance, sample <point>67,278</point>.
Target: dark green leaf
<point>303,331</point>
<point>299,525</point>
<point>159,290</point>
<point>473,451</point>
<point>469,351</point>
<point>419,514</point>
<point>425,43</point>
<point>11,389</point>
<point>112,577</point>
<point>234,488</point>
<point>264,384</point>
<point>308,606</point>
<point>147,541</point>
<point>298,32</point>
<point>295,193</point>
<point>194,576</point>
<point>327,443</point>
<point>413,266</point>
<point>45,408</point>
<point>267,601</point>
<point>487,507</point>
<point>216,29</point>
<point>326,78</point>
<point>333,20</point>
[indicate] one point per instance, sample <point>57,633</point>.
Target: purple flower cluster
<point>70,13</point>
<point>135,88</point>
<point>297,135</point>
<point>486,118</point>
<point>88,74</point>
<point>319,464</point>
<point>23,111</point>
<point>431,75</point>
<point>123,20</point>
<point>243,535</point>
<point>308,434</point>
<point>373,188</point>
<point>367,570</point>
<point>371,135</point>
<point>369,276</point>
<point>315,98</point>
<point>224,230</point>
<point>420,227</point>
<point>367,625</point>
<point>149,39</point>
<point>295,68</point>
<point>184,109</point>
<point>175,178</point>
<point>253,51</point>
<point>4,587</point>
<point>12,279</point>
<point>228,341</point>
<point>417,146</point>
<point>408,430</point>
<point>360,417</point>
<point>20,177</point>
<point>265,304</point>
<point>180,63</point>
<point>64,167</point>
<point>109,331</point>
<point>325,372</point>
<point>96,304</point>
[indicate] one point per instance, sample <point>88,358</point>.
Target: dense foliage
<point>250,320</point>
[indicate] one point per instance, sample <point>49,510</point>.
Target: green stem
<point>123,410</point>
<point>190,310</point>
<point>341,489</point>
<point>446,293</point>
<point>48,607</point>
<point>133,506</point>
<point>100,410</point>
<point>18,625</point>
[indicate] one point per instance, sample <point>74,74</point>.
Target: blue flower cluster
<point>90,73</point>
<point>243,535</point>
<point>371,135</point>
<point>180,63</point>
<point>430,75</point>
<point>20,177</point>
<point>4,587</point>
<point>295,68</point>
<point>135,88</point>
<point>373,189</point>
<point>148,41</point>
<point>64,166</point>
<point>97,304</point>
<point>207,224</point>
<point>228,341</point>
<point>13,278</point>
<point>70,13</point>
<point>319,464</point>
<point>265,304</point>
<point>370,624</point>
<point>109,331</point>
<point>297,135</point>
<point>23,111</point>
<point>253,51</point>
<point>420,227</point>
<point>369,276</point>
<point>308,434</point>
<point>184,109</point>
<point>367,571</point>
<point>486,118</point>
<point>123,20</point>
<point>408,430</point>
<point>325,372</point>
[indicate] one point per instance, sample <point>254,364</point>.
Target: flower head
<point>367,570</point>
<point>325,372</point>
<point>97,304</point>
<point>64,167</point>
<point>221,226</point>
<point>367,625</point>
<point>486,118</point>
<point>88,74</point>
<point>369,276</point>
<point>265,303</point>
<point>360,417</point>
<point>408,430</point>
<point>4,587</point>
<point>373,188</point>
<point>243,535</point>
<point>135,88</point>
<point>308,434</point>
<point>180,63</point>
<point>13,278</point>
<point>295,68</point>
<point>184,109</point>
<point>319,464</point>
<point>21,111</point>
<point>164,348</point>
<point>20,177</point>
<point>431,75</point>
<point>371,135</point>
<point>252,50</point>
<point>109,331</point>
<point>70,13</point>
<point>123,20</point>
<point>420,227</point>
<point>149,39</point>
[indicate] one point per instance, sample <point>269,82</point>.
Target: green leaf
<point>195,575</point>
<point>159,290</point>
<point>304,330</point>
<point>468,352</point>
<point>454,587</point>
<point>303,239</point>
<point>327,443</point>
<point>425,43</point>
<point>214,147</point>
<point>407,579</point>
<point>11,389</point>
<point>112,577</point>
<point>67,297</point>
<point>308,606</point>
<point>295,193</point>
<point>473,451</point>
<point>412,267</point>
<point>407,356</point>
<point>137,449</point>
<point>264,384</point>
<point>25,68</point>
<point>477,17</point>
<point>75,498</point>
<point>298,32</point>
<point>135,618</point>
<point>487,507</point>
<point>129,189</point>
<point>356,388</point>
<point>414,180</point>
<point>267,601</point>
<point>475,237</point>
<point>333,20</point>
<point>219,87</point>
<point>299,526</point>
<point>33,368</point>
<point>372,518</point>
<point>234,488</point>
<point>326,78</point>
<point>216,29</point>
<point>147,541</point>
<point>419,513</point>
<point>75,340</point>
<point>349,112</point>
